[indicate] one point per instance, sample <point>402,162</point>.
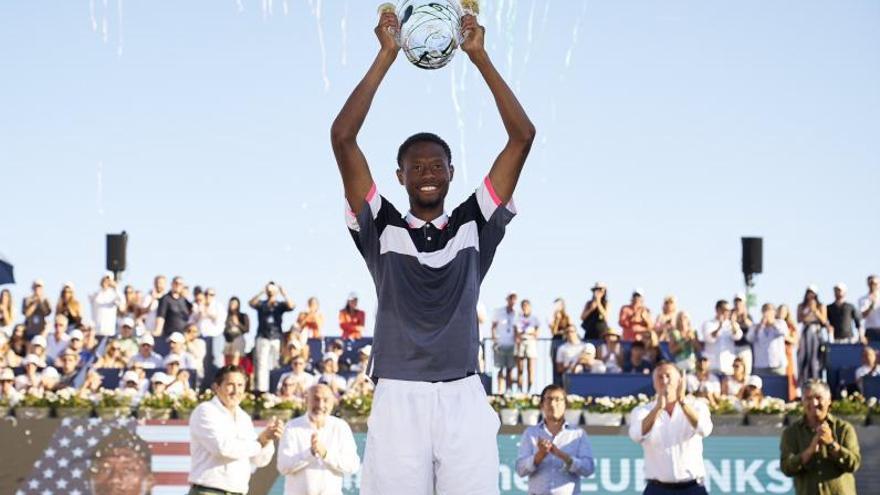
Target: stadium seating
<point>611,385</point>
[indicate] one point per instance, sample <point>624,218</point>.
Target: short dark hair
<point>550,388</point>
<point>423,137</point>
<point>226,370</point>
<point>720,303</point>
<point>638,345</point>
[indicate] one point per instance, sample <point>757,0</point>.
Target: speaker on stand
<point>752,263</point>
<point>116,245</point>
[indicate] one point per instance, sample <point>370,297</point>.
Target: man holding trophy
<point>431,429</point>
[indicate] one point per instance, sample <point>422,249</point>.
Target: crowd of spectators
<point>171,340</point>
<point>726,355</point>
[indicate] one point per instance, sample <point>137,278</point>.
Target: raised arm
<point>352,164</point>
<point>520,131</point>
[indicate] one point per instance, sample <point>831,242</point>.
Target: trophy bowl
<point>430,31</point>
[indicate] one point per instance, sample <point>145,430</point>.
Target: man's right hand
<point>386,32</point>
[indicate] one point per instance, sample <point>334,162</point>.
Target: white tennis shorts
<point>431,438</point>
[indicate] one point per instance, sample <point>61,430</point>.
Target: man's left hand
<point>474,35</point>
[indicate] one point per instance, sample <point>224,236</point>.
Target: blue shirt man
<point>553,454</point>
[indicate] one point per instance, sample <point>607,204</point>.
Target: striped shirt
<point>427,277</point>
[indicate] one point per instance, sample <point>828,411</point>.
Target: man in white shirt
<point>106,303</point>
<point>869,365</point>
<point>719,338</point>
<point>58,339</point>
<point>177,346</point>
<point>768,339</point>
<point>206,315</point>
<point>316,449</point>
<point>504,342</point>
<point>870,308</point>
<point>145,356</point>
<point>670,430</point>
<point>223,443</point>
<point>301,380</point>
<point>568,353</point>
<point>150,302</point>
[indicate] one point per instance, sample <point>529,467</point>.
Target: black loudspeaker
<point>753,255</point>
<point>116,244</point>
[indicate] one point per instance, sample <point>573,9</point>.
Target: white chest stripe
<point>397,240</point>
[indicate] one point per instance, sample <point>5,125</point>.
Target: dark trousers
<point>657,489</point>
<point>872,334</point>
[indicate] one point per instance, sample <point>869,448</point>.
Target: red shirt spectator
<point>351,319</point>
<point>635,319</point>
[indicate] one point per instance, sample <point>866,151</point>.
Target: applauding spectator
<point>7,313</point>
<point>638,361</point>
<point>527,348</point>
<point>611,351</point>
<point>237,325</point>
<point>768,337</point>
<point>666,320</point>
<point>69,306</point>
<point>635,319</point>
<point>594,317</point>
<point>36,308</point>
<point>869,367</point>
<point>719,336</point>
<point>559,323</point>
<point>813,315</point>
<point>107,302</point>
<point>311,321</point>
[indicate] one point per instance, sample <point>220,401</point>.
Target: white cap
<point>172,358</point>
<point>130,376</point>
<point>367,349</point>
<point>146,339</point>
<point>70,285</point>
<point>813,288</point>
<point>32,359</point>
<point>7,374</point>
<point>352,295</point>
<point>841,286</point>
<point>329,356</point>
<point>755,381</point>
<point>740,296</point>
<point>511,293</point>
<point>108,274</point>
<point>128,322</point>
<point>599,285</point>
<point>39,340</point>
<point>176,337</point>
<point>161,377</point>
<point>50,372</point>
<point>589,349</point>
<point>76,333</point>
<point>295,343</point>
<point>640,291</point>
<point>39,282</point>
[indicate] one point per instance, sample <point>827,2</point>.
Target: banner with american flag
<point>94,456</point>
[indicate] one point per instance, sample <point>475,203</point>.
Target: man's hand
<point>272,432</point>
<point>474,35</point>
<point>318,449</point>
<point>386,31</point>
<point>824,434</point>
<point>682,390</point>
<point>545,446</point>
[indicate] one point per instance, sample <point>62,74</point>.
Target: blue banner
<point>734,464</point>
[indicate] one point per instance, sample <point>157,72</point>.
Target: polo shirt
<point>427,277</point>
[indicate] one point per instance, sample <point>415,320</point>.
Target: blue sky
<point>667,130</point>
